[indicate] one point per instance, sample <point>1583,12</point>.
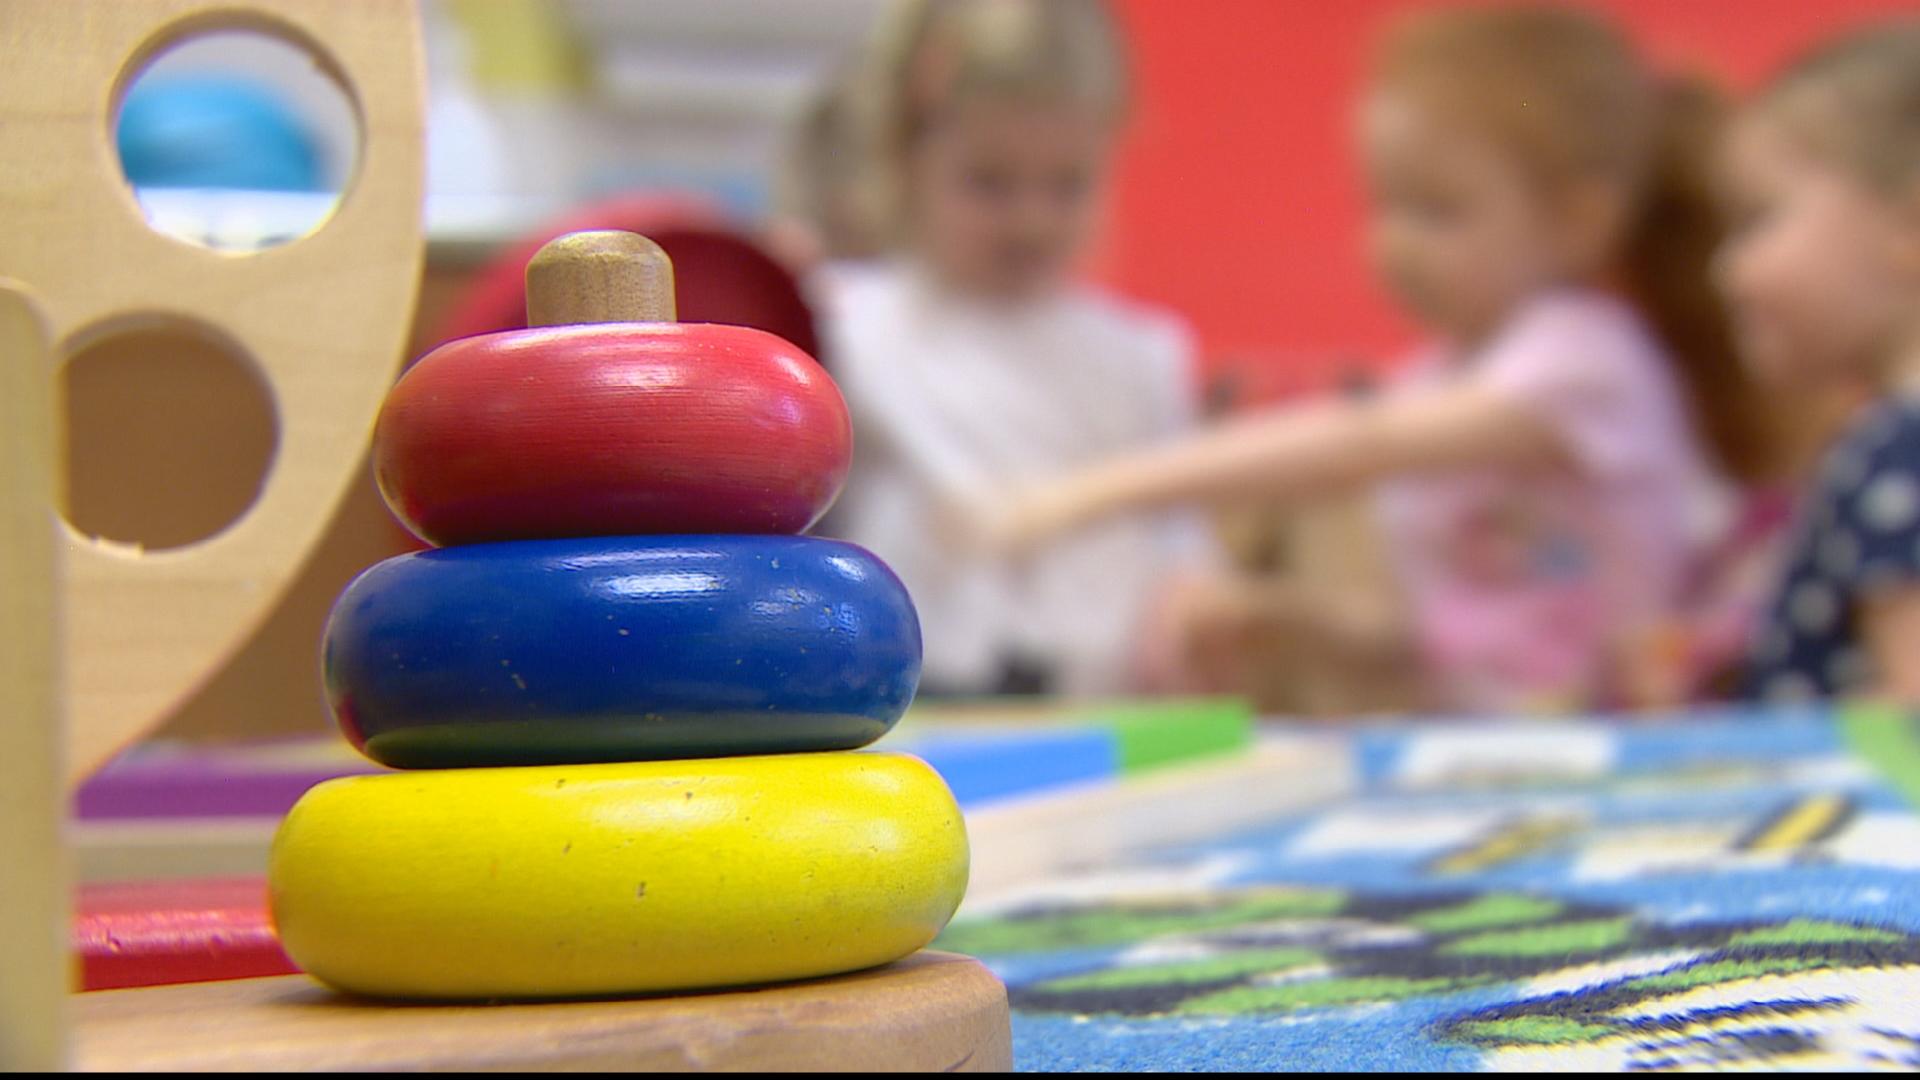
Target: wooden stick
<point>1027,841</point>
<point>33,896</point>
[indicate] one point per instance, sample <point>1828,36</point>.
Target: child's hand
<point>1030,519</point>
<point>1000,527</point>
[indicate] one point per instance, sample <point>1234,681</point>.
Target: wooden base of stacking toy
<point>931,1011</point>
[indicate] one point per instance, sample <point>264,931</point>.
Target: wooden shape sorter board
<point>323,319</point>
<point>930,1012</point>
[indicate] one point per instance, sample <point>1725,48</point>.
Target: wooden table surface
<point>931,1012</point>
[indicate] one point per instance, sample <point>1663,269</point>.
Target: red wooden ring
<point>612,429</point>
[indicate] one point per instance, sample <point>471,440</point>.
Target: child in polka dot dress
<point>1823,275</point>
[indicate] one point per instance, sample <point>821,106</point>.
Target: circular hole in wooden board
<point>170,433</point>
<point>237,139</point>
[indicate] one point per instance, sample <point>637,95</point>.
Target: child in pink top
<point>1549,468</point>
<point>1518,576</point>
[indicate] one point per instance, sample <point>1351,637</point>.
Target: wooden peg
<point>599,277</point>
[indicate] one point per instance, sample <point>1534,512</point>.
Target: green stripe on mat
<point>1148,733</point>
<point>1888,737</point>
<point>1153,734</point>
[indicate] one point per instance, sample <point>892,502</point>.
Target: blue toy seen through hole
<point>215,131</point>
<point>236,141</point>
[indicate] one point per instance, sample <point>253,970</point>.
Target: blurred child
<point>974,364</point>
<point>1823,274</point>
<point>1549,467</point>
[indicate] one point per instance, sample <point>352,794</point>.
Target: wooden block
<point>1147,734</point>
<point>1333,562</point>
<point>930,1012</point>
<point>33,881</point>
<point>567,880</point>
<point>210,785</point>
<point>983,767</point>
<point>615,428</point>
<point>1155,734</point>
<point>621,649</point>
<point>154,933</point>
<point>170,849</point>
<point>1023,841</point>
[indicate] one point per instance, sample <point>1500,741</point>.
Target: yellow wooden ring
<point>576,880</point>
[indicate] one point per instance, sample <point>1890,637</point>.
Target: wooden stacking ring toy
<point>579,880</point>
<point>547,651</point>
<point>546,679</point>
<point>606,417</point>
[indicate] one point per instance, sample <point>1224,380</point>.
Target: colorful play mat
<point>1725,890</point>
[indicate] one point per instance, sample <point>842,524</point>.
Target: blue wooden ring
<point>621,649</point>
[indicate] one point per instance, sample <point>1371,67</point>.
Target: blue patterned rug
<point>1724,890</point>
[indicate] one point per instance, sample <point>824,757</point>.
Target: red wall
<point>1237,202</point>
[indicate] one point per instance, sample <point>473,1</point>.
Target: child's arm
<point>1296,453</point>
<point>1890,625</point>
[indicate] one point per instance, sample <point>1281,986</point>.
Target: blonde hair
<point>926,56</point>
<point>1571,98</point>
<point>1856,102</point>
<point>822,181</point>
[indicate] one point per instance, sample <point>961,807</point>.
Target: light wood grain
<point>932,1011</point>
<point>324,318</point>
<point>1021,842</point>
<point>33,898</point>
<point>168,849</point>
<point>599,276</point>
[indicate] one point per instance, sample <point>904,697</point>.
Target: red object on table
<point>153,933</point>
<point>612,429</point>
